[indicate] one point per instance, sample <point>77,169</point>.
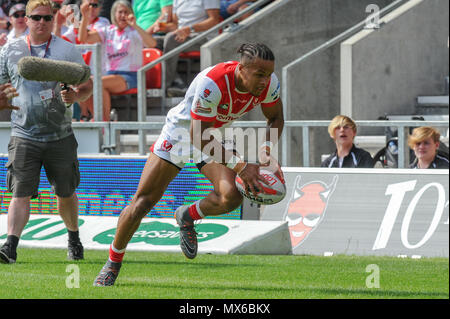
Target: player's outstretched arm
<point>275,125</point>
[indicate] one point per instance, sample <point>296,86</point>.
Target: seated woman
<point>188,19</point>
<point>424,141</point>
<point>122,42</point>
<point>342,130</point>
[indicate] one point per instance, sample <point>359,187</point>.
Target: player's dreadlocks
<point>251,51</point>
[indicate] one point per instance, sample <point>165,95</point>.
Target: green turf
<point>41,273</point>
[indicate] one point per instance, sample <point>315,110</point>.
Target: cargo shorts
<point>26,158</point>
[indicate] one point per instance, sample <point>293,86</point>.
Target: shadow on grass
<point>101,262</point>
<point>261,291</point>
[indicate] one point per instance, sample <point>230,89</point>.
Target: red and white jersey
<point>213,97</point>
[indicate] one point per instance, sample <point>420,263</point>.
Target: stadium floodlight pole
<point>284,73</point>
<point>141,86</point>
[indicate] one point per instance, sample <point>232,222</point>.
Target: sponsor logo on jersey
<point>166,146</point>
<point>275,94</point>
<point>199,108</point>
<point>224,107</point>
<point>225,118</point>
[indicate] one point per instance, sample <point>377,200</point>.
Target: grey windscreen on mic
<point>39,69</point>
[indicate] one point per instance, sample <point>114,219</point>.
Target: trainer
<point>217,96</point>
<point>41,133</point>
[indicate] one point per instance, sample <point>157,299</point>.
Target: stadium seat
<point>188,57</point>
<point>154,83</point>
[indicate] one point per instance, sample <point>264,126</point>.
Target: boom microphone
<point>39,69</point>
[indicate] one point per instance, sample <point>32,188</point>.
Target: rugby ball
<point>271,194</point>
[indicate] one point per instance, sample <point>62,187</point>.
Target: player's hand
<point>7,92</point>
<point>252,179</point>
<point>269,162</point>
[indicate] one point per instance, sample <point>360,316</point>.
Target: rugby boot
<point>75,251</point>
<point>7,254</point>
<point>188,235</point>
<point>108,274</point>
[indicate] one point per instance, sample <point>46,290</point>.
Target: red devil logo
<point>307,208</point>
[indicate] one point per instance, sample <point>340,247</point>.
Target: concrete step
<point>432,105</point>
<point>437,100</point>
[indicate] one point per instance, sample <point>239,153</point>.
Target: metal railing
<point>112,127</point>
<point>337,39</point>
<point>97,75</point>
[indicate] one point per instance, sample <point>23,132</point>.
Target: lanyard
<point>46,48</point>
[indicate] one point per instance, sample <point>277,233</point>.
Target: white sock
<point>199,211</point>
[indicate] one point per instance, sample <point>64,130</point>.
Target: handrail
<point>110,129</point>
<point>344,35</point>
<point>141,87</point>
<point>400,125</point>
<point>98,88</point>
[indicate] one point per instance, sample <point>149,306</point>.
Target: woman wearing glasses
<point>123,42</point>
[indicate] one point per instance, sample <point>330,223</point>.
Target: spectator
<point>424,141</point>
<point>71,35</point>
<point>151,12</point>
<point>5,6</point>
<point>61,17</point>
<point>123,42</point>
<point>4,27</point>
<point>105,11</point>
<point>96,22</point>
<point>342,130</point>
<point>189,17</point>
<point>17,20</point>
<point>230,7</point>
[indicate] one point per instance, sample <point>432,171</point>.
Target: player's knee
<point>142,206</point>
<point>231,200</point>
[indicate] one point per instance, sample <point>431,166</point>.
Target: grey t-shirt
<point>190,12</point>
<point>42,116</point>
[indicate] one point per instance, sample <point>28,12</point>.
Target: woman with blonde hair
<point>342,130</point>
<point>424,141</point>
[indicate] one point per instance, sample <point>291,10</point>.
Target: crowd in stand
<point>124,28</point>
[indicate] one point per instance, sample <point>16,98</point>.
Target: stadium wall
<point>384,70</point>
<point>398,212</point>
<point>293,28</point>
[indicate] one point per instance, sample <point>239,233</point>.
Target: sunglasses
<point>93,5</point>
<point>18,15</point>
<point>38,17</point>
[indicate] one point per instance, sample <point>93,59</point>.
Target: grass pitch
<point>46,274</point>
